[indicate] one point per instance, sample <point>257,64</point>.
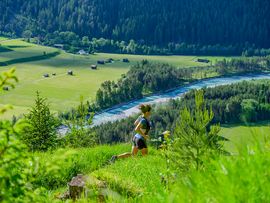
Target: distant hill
<point>158,22</point>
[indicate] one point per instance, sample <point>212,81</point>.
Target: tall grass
<point>244,177</point>
<point>74,161</point>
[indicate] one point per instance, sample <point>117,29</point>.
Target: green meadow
<point>243,135</point>
<point>63,91</point>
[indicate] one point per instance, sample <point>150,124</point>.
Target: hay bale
<point>46,75</point>
<point>54,74</point>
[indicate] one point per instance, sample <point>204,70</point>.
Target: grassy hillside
<point>225,179</point>
<point>64,91</point>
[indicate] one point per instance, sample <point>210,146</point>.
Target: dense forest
<point>241,102</point>
<point>171,24</point>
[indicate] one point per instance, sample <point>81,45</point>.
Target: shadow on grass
<point>246,124</point>
<point>4,49</point>
<point>17,46</point>
<point>30,59</point>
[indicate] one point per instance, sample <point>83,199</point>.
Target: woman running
<point>142,128</point>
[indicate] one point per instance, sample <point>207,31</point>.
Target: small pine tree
<point>41,133</point>
<point>80,133</point>
<point>194,137</point>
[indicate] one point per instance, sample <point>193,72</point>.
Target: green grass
<point>243,135</point>
<point>63,91</point>
<point>240,178</point>
<point>70,162</point>
<point>3,38</point>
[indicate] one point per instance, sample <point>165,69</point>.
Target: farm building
<point>82,52</point>
<point>59,46</point>
<point>102,62</point>
<point>70,72</point>
<point>203,60</point>
<point>94,67</point>
<point>125,60</point>
<point>110,60</point>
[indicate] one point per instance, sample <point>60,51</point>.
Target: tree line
<point>142,78</point>
<point>236,103</point>
<point>73,43</point>
<point>148,22</point>
<point>146,77</point>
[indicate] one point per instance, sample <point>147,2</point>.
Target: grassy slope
<point>141,175</point>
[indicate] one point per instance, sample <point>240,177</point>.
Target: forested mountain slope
<point>158,22</point>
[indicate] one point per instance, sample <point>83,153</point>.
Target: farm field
<point>63,91</point>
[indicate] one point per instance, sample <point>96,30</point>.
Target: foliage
<point>143,77</point>
<point>249,110</point>
<point>70,162</point>
<point>7,79</point>
<point>184,21</point>
<point>41,133</point>
<point>17,168</point>
<point>146,77</point>
<point>194,137</point>
<point>136,47</point>
<point>225,102</point>
<point>80,133</point>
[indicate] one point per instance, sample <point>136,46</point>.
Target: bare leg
<point>144,151</point>
<point>128,154</point>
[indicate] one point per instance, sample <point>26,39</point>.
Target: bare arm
<point>137,121</point>
<point>138,130</point>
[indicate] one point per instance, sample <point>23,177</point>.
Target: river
<point>125,110</point>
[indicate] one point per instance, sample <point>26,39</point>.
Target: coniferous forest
<point>176,24</point>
